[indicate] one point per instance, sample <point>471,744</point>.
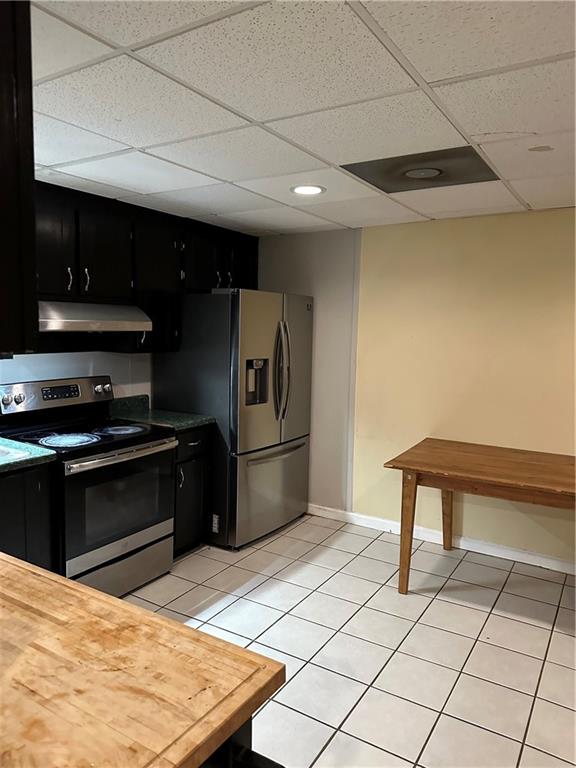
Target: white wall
<point>130,374</point>
<point>323,265</point>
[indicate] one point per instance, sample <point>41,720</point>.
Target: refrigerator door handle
<point>276,456</point>
<point>276,376</point>
<point>285,368</point>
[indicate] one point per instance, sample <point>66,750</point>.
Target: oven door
<point>117,503</point>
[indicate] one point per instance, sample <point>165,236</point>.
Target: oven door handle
<point>129,454</point>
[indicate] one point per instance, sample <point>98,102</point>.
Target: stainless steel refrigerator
<point>246,359</point>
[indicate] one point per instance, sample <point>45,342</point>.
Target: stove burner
<point>123,429</point>
<point>71,440</point>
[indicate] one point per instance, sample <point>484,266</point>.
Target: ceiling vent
<point>446,167</point>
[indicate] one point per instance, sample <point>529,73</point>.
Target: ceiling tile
<point>56,46</point>
<point>126,22</point>
<point>57,142</point>
<point>365,212</point>
<point>460,200</point>
<point>282,58</point>
<point>446,39</point>
<point>553,192</point>
<point>246,153</point>
<point>217,198</point>
<point>51,176</point>
<point>127,101</point>
<point>512,104</point>
<point>138,172</point>
<point>396,125</point>
<point>338,186</point>
<point>282,219</point>
<point>514,160</point>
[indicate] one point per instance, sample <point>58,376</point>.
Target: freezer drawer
<point>272,490</point>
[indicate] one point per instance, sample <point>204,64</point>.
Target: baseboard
<point>431,534</point>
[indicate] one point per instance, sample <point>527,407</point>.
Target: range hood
<point>75,316</point>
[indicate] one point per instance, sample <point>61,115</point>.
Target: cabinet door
<point>13,517</point>
<point>244,261</point>
<point>207,258</point>
<point>190,525</point>
<point>104,251</point>
<point>18,301</point>
<point>55,241</point>
<point>158,247</point>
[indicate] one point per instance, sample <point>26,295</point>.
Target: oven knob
<point>107,387</point>
<point>7,400</point>
<point>19,398</point>
<point>98,389</point>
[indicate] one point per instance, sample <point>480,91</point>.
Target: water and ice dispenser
<point>256,381</point>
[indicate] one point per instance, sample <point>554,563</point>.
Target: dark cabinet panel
<point>26,529</point>
<point>13,517</point>
<point>18,303</point>
<point>55,241</point>
<point>158,247</point>
<point>218,258</point>
<point>190,523</point>
<point>104,251</point>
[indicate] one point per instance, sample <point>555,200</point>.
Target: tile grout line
<point>362,605</point>
<point>535,696</point>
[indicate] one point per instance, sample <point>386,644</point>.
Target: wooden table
<point>89,680</point>
<point>483,470</point>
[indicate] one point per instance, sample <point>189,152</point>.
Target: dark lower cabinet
<point>192,488</point>
<point>190,511</point>
<point>26,529</point>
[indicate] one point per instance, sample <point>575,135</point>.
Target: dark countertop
<point>138,408</point>
<point>15,455</point>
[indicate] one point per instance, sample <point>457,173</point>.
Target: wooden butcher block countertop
<point>91,681</point>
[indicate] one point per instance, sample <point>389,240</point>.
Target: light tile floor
<point>473,668</point>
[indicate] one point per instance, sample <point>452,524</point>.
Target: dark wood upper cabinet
<point>56,241</point>
<point>104,251</point>
<point>158,249</point>
<point>18,301</point>
<point>219,258</point>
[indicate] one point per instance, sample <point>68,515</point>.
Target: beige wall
<point>466,331</point>
<point>322,265</point>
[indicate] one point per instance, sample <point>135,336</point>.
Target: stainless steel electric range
<point>114,481</point>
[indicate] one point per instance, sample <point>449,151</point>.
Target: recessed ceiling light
<point>541,148</point>
<point>423,173</point>
<point>308,189</point>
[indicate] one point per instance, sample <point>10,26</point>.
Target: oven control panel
<point>36,395</point>
<point>60,392</point>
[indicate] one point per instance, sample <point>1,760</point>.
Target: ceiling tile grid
<point>128,23</point>
<point>57,142</point>
<point>138,172</point>
<point>283,58</point>
<point>57,46</point>
<point>246,153</point>
<point>127,101</point>
<point>447,39</point>
<point>460,200</point>
<point>263,96</point>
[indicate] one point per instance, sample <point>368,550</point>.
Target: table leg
<point>447,519</point>
<point>409,488</point>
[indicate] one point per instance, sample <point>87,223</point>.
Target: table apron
<point>494,490</point>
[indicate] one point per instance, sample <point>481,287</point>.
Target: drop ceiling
<point>214,110</point>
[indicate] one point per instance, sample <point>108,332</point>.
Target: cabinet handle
<point>182,275</point>
<point>229,280</point>
<point>87,283</point>
<point>219,279</point>
<point>181,477</point>
<point>143,337</point>
<point>70,278</point>
<point>182,246</point>
<point>194,444</point>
